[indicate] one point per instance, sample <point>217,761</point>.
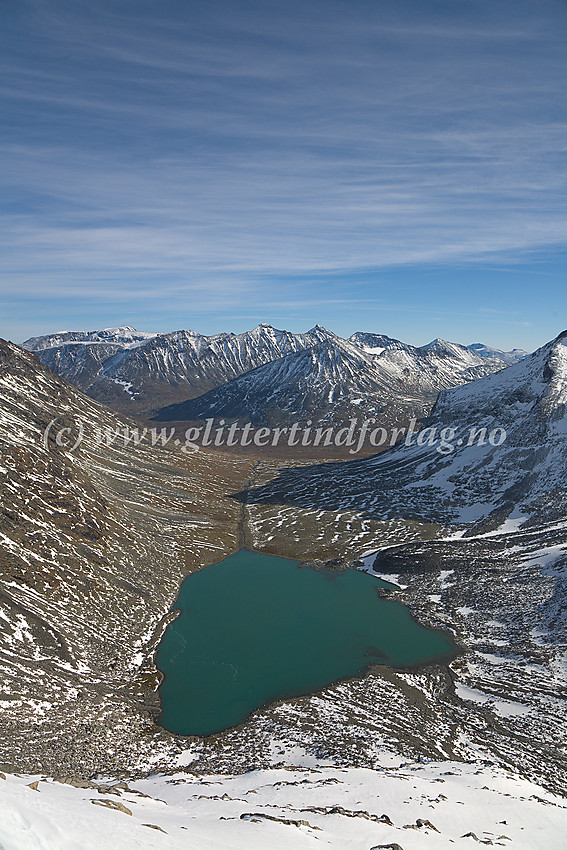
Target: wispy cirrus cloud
<point>216,149</point>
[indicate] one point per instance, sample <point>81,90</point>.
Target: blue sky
<point>388,166</point>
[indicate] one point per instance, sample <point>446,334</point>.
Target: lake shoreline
<point>371,668</point>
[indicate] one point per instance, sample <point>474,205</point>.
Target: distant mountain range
<point>508,357</point>
<point>263,375</point>
<point>523,478</point>
<point>337,380</point>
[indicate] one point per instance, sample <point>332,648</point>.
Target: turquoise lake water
<point>255,628</point>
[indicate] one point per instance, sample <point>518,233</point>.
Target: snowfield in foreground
<point>414,805</point>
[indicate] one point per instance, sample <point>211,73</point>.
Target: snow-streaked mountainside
<point>124,337</point>
<point>95,542</point>
<point>93,545</point>
<point>140,378</point>
<point>427,806</point>
<point>508,357</point>
<point>139,374</point>
<point>335,381</point>
<point>475,539</point>
<point>443,348</point>
<point>376,343</point>
<point>456,482</point>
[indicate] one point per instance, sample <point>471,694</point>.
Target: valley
<point>96,543</point>
<point>283,425</point>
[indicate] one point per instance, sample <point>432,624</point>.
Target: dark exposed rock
<point>387,847</point>
<point>258,817</point>
<point>113,804</point>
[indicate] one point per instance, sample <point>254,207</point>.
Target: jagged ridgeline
<point>264,375</point>
<point>521,469</point>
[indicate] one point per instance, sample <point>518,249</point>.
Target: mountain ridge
<point>335,381</point>
<point>140,373</point>
<point>527,401</point>
<point>94,542</point>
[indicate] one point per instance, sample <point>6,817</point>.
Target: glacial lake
<point>255,628</point>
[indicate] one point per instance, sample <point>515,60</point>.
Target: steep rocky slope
<point>140,373</point>
<point>336,381</point>
<point>498,445</point>
<point>136,376</point>
<point>93,545</point>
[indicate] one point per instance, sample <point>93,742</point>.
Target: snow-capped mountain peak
<point>140,373</point>
<point>442,346</point>
<point>124,336</point>
<point>524,408</point>
<point>378,343</point>
<point>508,357</point>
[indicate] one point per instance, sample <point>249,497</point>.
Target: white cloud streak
<point>213,152</point>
